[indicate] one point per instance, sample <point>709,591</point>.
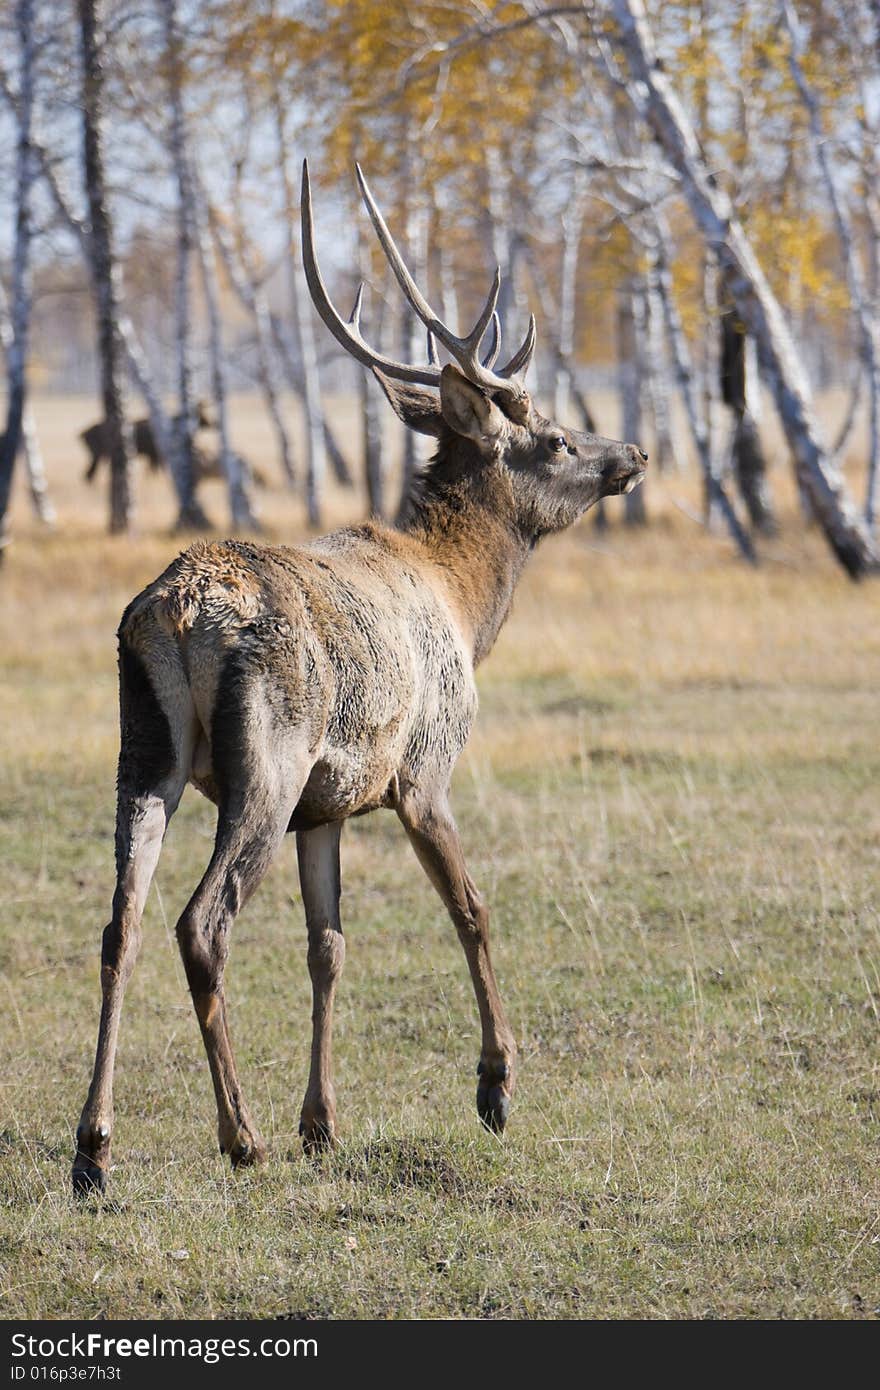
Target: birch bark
<point>30,443</point>
<point>864,304</point>
<point>629,327</point>
<point>301,313</point>
<point>182,456</point>
<point>572,227</point>
<point>691,394</point>
<point>415,220</point>
<point>21,297</point>
<point>652,95</point>
<point>234,470</point>
<point>374,461</point>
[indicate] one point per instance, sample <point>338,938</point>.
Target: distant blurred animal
<point>97,440</point>
<point>210,466</point>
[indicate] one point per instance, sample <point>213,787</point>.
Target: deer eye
<point>556,443</point>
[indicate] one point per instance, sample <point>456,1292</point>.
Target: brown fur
<point>298,686</point>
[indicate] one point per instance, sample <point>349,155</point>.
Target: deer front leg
<point>432,830</point>
<point>318,854</point>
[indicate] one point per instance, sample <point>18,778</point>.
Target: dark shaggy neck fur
<point>462,510</point>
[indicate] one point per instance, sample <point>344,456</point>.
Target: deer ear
<point>467,409</point>
<point>416,406</point>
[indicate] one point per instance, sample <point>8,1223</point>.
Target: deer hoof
<point>87,1177</point>
<point>493,1097</point>
<point>245,1151</point>
<point>317,1136</point>
<point>91,1159</point>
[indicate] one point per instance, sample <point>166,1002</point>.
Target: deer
<point>296,686</point>
<point>96,438</point>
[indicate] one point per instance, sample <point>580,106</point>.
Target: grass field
<point>671,803</point>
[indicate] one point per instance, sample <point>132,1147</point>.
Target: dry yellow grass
<point>670,801</point>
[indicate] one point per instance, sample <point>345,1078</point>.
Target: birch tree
<point>80,230</point>
<point>656,376</point>
<point>103,262</point>
<point>371,419</point>
<point>182,457</point>
<point>630,325</point>
<point>738,373</point>
<point>863,295</point>
<point>414,207</point>
<point>21,289</point>
<point>248,289</point>
<point>232,465</point>
<point>30,442</point>
<point>301,313</point>
<point>653,97</point>
<point>572,229</point>
<point>660,278</point>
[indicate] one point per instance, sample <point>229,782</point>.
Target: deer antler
<point>465,351</point>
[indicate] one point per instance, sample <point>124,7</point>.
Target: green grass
<point>670,803</point>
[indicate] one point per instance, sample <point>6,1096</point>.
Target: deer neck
<point>464,517</point>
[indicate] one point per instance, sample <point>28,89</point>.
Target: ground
<point>670,802</point>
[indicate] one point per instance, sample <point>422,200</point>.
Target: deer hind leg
<point>92,467</point>
<point>261,786</point>
<point>153,765</point>
<point>434,836</point>
<point>318,853</point>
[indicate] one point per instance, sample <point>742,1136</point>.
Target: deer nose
<point>636,453</point>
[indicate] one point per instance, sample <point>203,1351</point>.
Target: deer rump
<point>346,654</point>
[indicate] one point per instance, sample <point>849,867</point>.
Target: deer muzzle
<point>625,472</point>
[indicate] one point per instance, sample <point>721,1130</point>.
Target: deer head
<point>480,416</point>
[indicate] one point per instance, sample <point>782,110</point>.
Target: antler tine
<point>354,317</point>
<point>494,347</point>
<point>475,337</point>
<point>348,334</point>
<point>396,261</point>
<point>490,357</point>
<point>464,350</point>
<point>519,362</point>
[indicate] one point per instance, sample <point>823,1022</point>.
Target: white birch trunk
<point>374,454</point>
<point>629,326</point>
<point>565,319</point>
<point>35,468</point>
<point>21,296</point>
<point>30,442</point>
<point>181,460</point>
<point>656,375</point>
<point>253,300</point>
<point>500,240</point>
<point>234,470</point>
<point>448,287</point>
<point>560,364</point>
<point>415,345</point>
<point>105,288</point>
<point>711,374</point>
<point>293,373</point>
<point>301,314</point>
<point>691,394</point>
